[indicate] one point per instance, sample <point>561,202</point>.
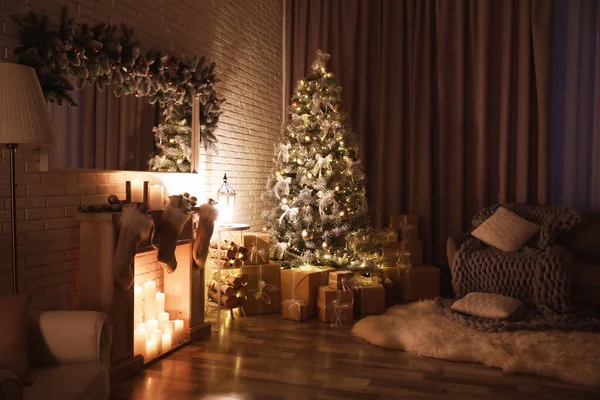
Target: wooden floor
<point>271,358</point>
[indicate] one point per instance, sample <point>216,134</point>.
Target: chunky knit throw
<point>539,275</point>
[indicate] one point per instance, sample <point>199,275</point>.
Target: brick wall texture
<point>244,37</point>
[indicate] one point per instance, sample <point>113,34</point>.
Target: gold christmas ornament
<point>337,188</point>
<point>342,213</point>
<point>309,175</point>
<point>325,245</point>
<point>307,138</point>
<point>307,234</point>
<point>179,161</point>
<point>172,140</point>
<point>300,161</point>
<point>284,200</point>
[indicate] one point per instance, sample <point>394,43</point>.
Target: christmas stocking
<point>172,222</point>
<point>134,227</point>
<point>206,224</point>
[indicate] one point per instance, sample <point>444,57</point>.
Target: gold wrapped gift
<point>303,283</point>
<point>369,297</point>
<point>335,306</point>
<point>296,310</point>
<point>257,248</point>
<point>264,289</point>
<point>340,280</point>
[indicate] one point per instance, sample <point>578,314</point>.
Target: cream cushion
<point>82,381</point>
<point>487,305</point>
<point>505,230</point>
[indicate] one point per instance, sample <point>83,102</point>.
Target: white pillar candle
<point>156,197</point>
<point>137,305</point>
<point>150,300</point>
<point>139,341</point>
<point>169,328</point>
<point>152,325</point>
<point>166,342</point>
<point>162,318</point>
<point>160,302</point>
<point>137,191</point>
<point>178,331</point>
<point>156,337</point>
<point>151,350</point>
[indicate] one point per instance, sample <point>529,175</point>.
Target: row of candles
<point>156,194</point>
<point>154,332</point>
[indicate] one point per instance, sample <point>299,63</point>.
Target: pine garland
<point>65,58</point>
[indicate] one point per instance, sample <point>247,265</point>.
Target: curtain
<point>104,131</point>
<point>575,127</point>
<point>449,100</point>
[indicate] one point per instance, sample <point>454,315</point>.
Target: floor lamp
<point>24,122</point>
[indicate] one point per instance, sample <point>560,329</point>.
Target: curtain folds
<point>450,100</point>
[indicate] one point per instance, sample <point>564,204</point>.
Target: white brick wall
<point>244,37</point>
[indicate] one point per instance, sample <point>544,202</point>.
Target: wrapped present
<point>303,283</point>
<point>420,283</point>
<point>339,280</point>
<point>392,251</point>
<point>392,295</point>
<point>388,235</point>
<point>264,293</point>
<point>335,306</point>
<point>369,296</point>
<point>296,310</point>
<point>257,248</point>
<point>407,226</point>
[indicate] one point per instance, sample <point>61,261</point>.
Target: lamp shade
<point>24,116</point>
<point>225,202</point>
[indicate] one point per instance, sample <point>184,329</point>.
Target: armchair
<point>69,357</point>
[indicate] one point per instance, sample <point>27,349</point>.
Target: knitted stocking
<point>172,222</point>
<point>206,224</point>
<point>134,227</point>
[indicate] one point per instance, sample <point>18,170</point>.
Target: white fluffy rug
<point>573,357</point>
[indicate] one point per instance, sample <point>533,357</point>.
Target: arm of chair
<point>10,386</point>
<point>452,246</point>
<point>66,337</point>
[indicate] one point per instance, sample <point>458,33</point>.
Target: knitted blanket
<point>539,275</point>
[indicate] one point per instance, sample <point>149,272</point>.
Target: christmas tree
<point>318,185</point>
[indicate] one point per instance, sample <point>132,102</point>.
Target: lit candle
<point>139,341</point>
<point>166,342</point>
<point>169,328</point>
<point>156,199</point>
<point>162,318</point>
<point>156,337</point>
<point>150,300</point>
<point>137,305</point>
<point>152,325</point>
<point>151,350</point>
<point>137,191</point>
<point>160,302</point>
<point>178,331</point>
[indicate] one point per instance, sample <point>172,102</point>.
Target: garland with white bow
<point>325,199</point>
<point>322,163</point>
<point>282,186</point>
<point>284,152</point>
<point>290,212</point>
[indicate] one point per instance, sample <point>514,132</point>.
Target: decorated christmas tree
<point>318,185</point>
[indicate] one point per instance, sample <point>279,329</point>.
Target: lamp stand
<point>13,219</point>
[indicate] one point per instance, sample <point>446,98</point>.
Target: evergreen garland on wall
<point>66,58</point>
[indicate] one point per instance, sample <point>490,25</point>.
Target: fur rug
<point>572,357</point>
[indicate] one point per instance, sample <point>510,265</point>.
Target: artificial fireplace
<point>159,313</point>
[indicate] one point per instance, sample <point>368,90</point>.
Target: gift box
<point>407,226</point>
<point>420,283</point>
<point>303,284</point>
<point>264,289</point>
<point>392,272</point>
<point>339,280</point>
<point>392,296</point>
<point>388,235</point>
<point>335,305</point>
<point>257,248</point>
<point>369,298</point>
<point>392,251</point>
<point>296,310</point>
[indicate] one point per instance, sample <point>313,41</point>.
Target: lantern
<point>226,201</point>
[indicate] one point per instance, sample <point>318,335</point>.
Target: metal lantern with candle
<point>226,202</point>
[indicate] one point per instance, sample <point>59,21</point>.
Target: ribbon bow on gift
<point>255,253</point>
<point>290,212</point>
<point>282,186</point>
<point>322,163</point>
<point>325,199</point>
<point>284,152</point>
<point>339,306</point>
<point>262,294</point>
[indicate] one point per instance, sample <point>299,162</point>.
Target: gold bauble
<point>337,188</point>
<point>307,234</point>
<point>284,200</point>
<point>309,175</point>
<point>300,161</point>
<point>307,138</point>
<point>342,213</point>
<point>326,245</point>
<point>179,160</point>
<point>172,140</point>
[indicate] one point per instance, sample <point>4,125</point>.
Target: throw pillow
<point>487,305</point>
<point>13,340</point>
<point>505,230</point>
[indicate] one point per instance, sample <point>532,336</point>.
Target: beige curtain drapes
<point>104,131</point>
<point>449,99</point>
